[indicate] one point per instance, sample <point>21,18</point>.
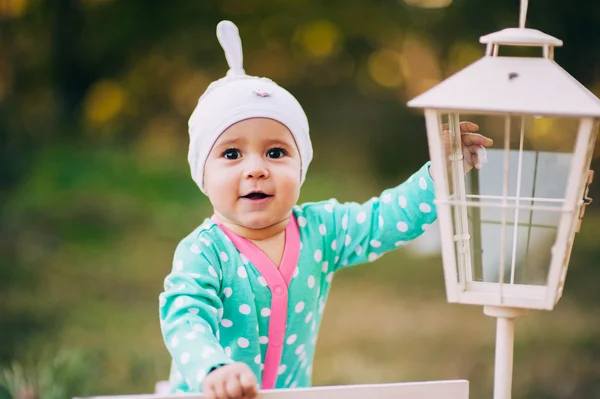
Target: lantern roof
<point>521,37</point>
<point>519,85</point>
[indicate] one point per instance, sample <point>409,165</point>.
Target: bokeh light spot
<point>105,100</point>
<point>385,68</point>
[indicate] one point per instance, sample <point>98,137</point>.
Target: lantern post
<point>507,229</point>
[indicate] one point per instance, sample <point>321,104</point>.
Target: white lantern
<point>507,229</point>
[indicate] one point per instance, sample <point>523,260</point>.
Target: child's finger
<point>473,149</point>
<point>208,392</point>
<point>475,161</point>
<point>218,388</point>
<point>248,383</point>
<point>476,139</point>
<point>469,138</point>
<point>467,126</point>
<point>233,387</point>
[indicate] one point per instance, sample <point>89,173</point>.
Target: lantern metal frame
<point>460,288</point>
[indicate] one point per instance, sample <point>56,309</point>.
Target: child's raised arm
<point>357,233</point>
<point>190,311</point>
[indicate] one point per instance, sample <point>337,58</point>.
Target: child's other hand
<point>232,381</point>
<point>473,144</point>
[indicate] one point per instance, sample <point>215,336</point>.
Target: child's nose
<point>256,169</point>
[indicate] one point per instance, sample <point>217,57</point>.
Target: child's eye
<point>231,153</point>
<point>276,153</point>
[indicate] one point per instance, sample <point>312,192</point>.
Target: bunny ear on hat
<point>229,37</point>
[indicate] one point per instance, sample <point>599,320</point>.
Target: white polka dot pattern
<point>318,255</point>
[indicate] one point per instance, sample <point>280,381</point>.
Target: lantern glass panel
<point>506,215</point>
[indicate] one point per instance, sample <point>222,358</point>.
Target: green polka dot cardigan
<point>224,300</point>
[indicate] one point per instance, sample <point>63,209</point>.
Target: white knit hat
<point>237,97</point>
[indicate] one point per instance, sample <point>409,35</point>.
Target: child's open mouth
<point>257,196</point>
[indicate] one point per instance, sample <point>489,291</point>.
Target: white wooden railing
<point>452,389</point>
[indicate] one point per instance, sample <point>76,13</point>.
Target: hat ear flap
<point>229,37</point>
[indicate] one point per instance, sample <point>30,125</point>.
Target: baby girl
<point>243,303</point>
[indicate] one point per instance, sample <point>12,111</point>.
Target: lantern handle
<point>520,36</point>
<point>523,13</point>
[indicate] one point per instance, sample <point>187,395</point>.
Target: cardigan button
<point>279,290</point>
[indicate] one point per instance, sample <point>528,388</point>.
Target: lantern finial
<point>523,14</point>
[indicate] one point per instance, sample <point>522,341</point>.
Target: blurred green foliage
<point>96,193</point>
<point>58,375</point>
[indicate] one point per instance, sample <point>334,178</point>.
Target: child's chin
<point>259,222</point>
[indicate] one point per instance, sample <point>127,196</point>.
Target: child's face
<point>252,174</point>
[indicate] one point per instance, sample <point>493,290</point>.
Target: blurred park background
<point>96,193</point>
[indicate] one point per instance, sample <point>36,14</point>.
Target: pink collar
<point>265,266</point>
<point>278,281</point>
